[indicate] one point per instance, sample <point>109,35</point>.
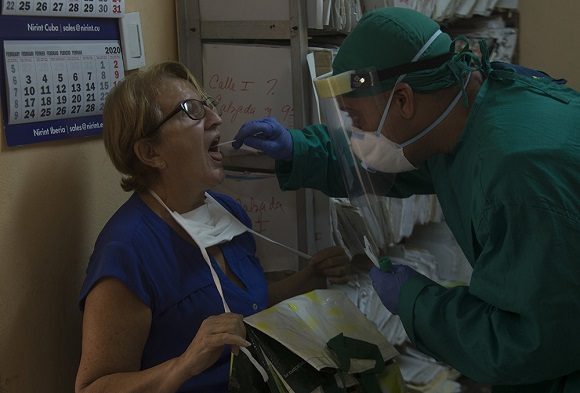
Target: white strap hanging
<point>217,283</point>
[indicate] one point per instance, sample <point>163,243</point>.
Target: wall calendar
<point>59,79</point>
<point>56,72</point>
<point>74,8</point>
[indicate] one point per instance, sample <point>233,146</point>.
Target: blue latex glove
<point>388,284</point>
<point>273,139</point>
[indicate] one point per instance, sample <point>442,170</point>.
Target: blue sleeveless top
<point>170,276</point>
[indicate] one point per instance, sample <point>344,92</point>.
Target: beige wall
<point>54,199</point>
<point>550,37</point>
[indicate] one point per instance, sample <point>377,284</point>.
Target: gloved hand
<point>273,139</point>
<point>388,284</point>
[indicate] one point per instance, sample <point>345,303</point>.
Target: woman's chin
<point>217,176</point>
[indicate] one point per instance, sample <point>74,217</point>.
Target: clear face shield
<point>354,106</point>
<point>350,107</point>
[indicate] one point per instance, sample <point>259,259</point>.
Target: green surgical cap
<point>390,37</point>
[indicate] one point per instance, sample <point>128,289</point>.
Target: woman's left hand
<point>332,264</point>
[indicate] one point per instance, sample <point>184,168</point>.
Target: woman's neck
<point>178,199</point>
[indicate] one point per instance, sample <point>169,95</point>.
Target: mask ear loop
<point>218,285</point>
<point>457,59</point>
<point>203,251</point>
<point>440,118</point>
<point>388,106</point>
<point>401,77</point>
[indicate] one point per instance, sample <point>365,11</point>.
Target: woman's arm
<point>115,329</point>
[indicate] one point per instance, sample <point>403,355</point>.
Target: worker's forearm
<point>300,282</point>
<point>311,149</point>
<point>485,343</point>
<point>166,377</point>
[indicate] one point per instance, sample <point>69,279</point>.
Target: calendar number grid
<point>72,8</point>
<point>58,80</point>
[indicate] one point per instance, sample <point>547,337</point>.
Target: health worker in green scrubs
<point>501,150</point>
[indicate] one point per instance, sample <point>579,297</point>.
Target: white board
<point>249,82</point>
<point>273,214</point>
<point>234,10</point>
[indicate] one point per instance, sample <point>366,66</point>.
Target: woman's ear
<point>147,153</point>
<point>404,100</point>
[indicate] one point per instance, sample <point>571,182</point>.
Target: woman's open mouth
<point>214,150</point>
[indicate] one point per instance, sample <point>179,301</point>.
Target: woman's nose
<point>212,117</point>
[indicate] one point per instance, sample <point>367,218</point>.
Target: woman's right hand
<point>208,344</point>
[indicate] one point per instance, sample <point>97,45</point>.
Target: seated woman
<point>154,320</point>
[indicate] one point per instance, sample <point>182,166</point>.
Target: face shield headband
<point>458,65</point>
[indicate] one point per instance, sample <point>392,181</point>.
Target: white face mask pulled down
<point>212,224</point>
<point>376,151</point>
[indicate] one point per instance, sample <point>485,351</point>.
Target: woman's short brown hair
<point>131,111</point>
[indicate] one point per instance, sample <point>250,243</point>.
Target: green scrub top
<point>510,193</point>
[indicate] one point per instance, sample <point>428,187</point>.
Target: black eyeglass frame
<point>208,101</point>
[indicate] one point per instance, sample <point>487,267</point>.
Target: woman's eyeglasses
<point>193,108</point>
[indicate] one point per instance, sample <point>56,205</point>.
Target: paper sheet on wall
<point>249,82</point>
<point>273,214</point>
<point>227,10</point>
